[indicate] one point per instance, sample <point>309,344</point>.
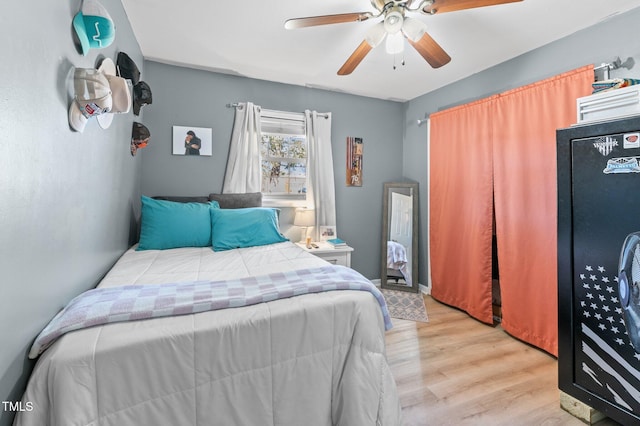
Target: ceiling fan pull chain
<point>394,61</point>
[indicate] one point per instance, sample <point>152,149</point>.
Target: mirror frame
<point>384,283</point>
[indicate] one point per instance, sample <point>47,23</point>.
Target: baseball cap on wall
<point>141,96</point>
<point>93,26</point>
<point>127,68</point>
<point>140,133</point>
<point>96,94</point>
<point>139,137</point>
<point>120,93</point>
<point>92,97</point>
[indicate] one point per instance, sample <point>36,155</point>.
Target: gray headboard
<point>183,199</point>
<point>237,201</point>
<point>226,201</point>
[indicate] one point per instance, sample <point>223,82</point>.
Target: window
<point>284,158</point>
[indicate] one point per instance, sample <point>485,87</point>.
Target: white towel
<point>397,259</point>
<point>396,255</point>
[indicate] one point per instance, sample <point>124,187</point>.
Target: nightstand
<point>334,255</point>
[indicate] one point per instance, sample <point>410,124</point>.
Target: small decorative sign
<point>354,161</point>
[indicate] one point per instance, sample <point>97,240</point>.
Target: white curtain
<point>321,194</point>
<point>243,166</point>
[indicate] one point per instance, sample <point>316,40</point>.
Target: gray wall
<point>189,97</point>
<point>66,198</point>
<point>595,45</point>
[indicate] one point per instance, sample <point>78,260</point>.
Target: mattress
<point>314,359</point>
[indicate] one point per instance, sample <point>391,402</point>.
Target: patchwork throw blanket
<point>135,302</point>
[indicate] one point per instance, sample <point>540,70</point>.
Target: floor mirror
<point>399,250</point>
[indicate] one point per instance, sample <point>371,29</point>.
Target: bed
<point>315,358</point>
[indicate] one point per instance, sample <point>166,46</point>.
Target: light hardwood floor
<point>455,370</point>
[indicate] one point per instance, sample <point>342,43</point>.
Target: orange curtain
<point>510,139</point>
<point>460,207</point>
<point>524,158</point>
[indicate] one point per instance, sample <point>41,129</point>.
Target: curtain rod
<point>607,67</point>
<point>236,105</point>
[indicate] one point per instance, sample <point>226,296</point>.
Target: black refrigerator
<point>598,209</point>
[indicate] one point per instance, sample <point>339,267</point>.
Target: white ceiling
<point>248,38</point>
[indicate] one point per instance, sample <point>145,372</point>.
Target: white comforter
<point>316,359</point>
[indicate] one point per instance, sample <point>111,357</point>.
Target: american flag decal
<point>605,144</point>
<point>606,362</point>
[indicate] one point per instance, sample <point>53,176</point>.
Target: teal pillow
<point>169,224</point>
<point>236,228</point>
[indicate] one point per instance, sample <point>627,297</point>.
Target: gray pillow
<point>237,201</point>
<point>183,199</point>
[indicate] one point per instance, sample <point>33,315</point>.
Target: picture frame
<point>327,232</point>
<point>200,138</point>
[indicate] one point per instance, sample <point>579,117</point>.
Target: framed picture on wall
<point>192,141</point>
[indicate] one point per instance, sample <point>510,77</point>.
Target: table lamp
<point>304,218</point>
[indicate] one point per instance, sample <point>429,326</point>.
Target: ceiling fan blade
<point>442,6</point>
<point>356,57</point>
<point>312,21</point>
<point>430,51</point>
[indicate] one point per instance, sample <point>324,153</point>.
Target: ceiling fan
<point>395,27</point>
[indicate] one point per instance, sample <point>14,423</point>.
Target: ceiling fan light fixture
<point>393,22</point>
<point>376,34</point>
<point>414,29</point>
<point>395,43</point>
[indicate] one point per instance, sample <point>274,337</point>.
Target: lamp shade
<point>395,43</point>
<point>393,22</point>
<point>414,29</point>
<point>304,217</point>
<point>375,34</point>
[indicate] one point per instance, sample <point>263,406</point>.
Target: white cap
<point>92,97</point>
<point>120,93</point>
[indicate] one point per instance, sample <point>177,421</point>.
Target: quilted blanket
<point>135,302</point>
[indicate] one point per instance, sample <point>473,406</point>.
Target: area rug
<point>405,305</point>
